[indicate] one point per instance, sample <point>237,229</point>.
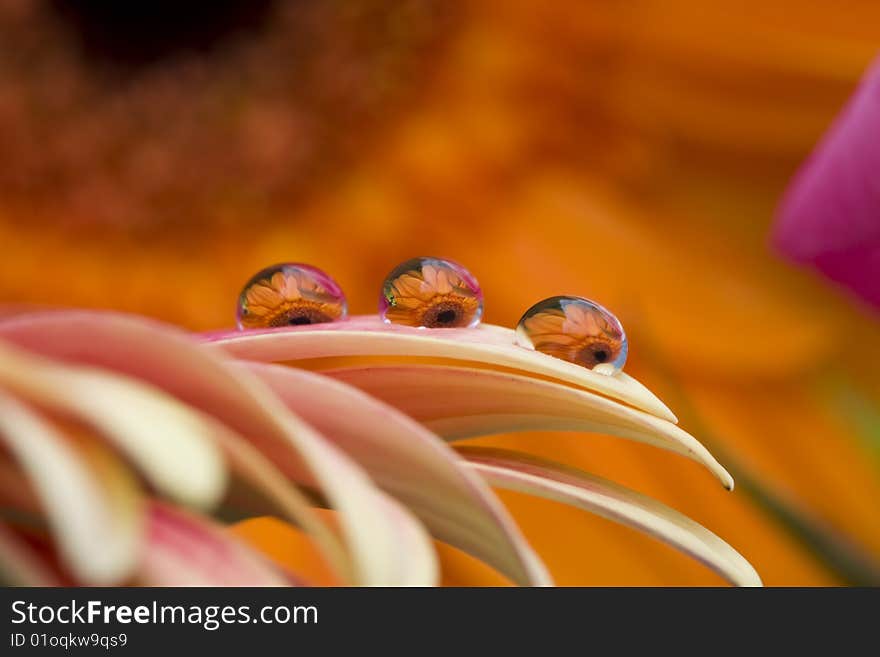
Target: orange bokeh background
<point>632,153</point>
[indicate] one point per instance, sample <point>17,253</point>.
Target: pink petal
<point>830,217</point>
<point>185,550</point>
<point>386,545</point>
<point>172,446</point>
<point>414,465</point>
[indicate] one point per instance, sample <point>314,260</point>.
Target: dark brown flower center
<point>188,115</point>
<point>446,314</point>
<point>596,353</point>
<point>140,32</point>
<point>300,317</point>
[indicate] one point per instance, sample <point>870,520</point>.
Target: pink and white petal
<point>170,359</point>
<point>417,564</point>
<point>185,550</point>
<point>22,565</point>
<point>527,474</point>
<point>258,475</point>
<point>170,444</point>
<point>412,464</point>
<point>488,345</point>
<point>94,515</point>
<point>388,545</point>
<point>175,447</point>
<point>461,402</point>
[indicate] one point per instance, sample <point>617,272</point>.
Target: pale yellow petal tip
<point>533,475</point>
<point>752,580</point>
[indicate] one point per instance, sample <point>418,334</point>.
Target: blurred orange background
<point>629,152</point>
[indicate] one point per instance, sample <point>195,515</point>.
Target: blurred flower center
<point>152,115</point>
<point>142,31</point>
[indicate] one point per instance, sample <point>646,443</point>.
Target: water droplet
<point>290,294</point>
<point>577,330</point>
<point>431,293</point>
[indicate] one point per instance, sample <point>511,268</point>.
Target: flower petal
<point>416,563</point>
<point>21,565</point>
<point>462,402</point>
<point>170,359</point>
<point>830,213</point>
<point>256,474</point>
<point>487,345</point>
<point>412,464</point>
<point>172,445</point>
<point>185,550</point>
<point>99,534</point>
<point>524,473</point>
<point>168,442</point>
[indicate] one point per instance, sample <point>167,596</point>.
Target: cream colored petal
<point>97,532</point>
<point>461,402</point>
<point>412,464</point>
<point>523,473</point>
<point>171,444</point>
<point>487,345</point>
<point>170,359</point>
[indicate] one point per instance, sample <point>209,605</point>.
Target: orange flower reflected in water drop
<point>576,330</point>
<point>431,293</point>
<point>290,295</point>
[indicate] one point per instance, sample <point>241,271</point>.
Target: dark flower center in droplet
<point>596,353</point>
<point>446,314</point>
<point>300,317</point>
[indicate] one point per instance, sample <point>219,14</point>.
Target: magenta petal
<point>830,217</point>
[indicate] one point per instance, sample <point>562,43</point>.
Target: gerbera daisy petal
<point>98,537</point>
<point>487,345</point>
<point>524,473</point>
<point>171,360</point>
<point>257,477</point>
<point>410,463</point>
<point>461,402</point>
<point>185,550</point>
<point>171,445</point>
